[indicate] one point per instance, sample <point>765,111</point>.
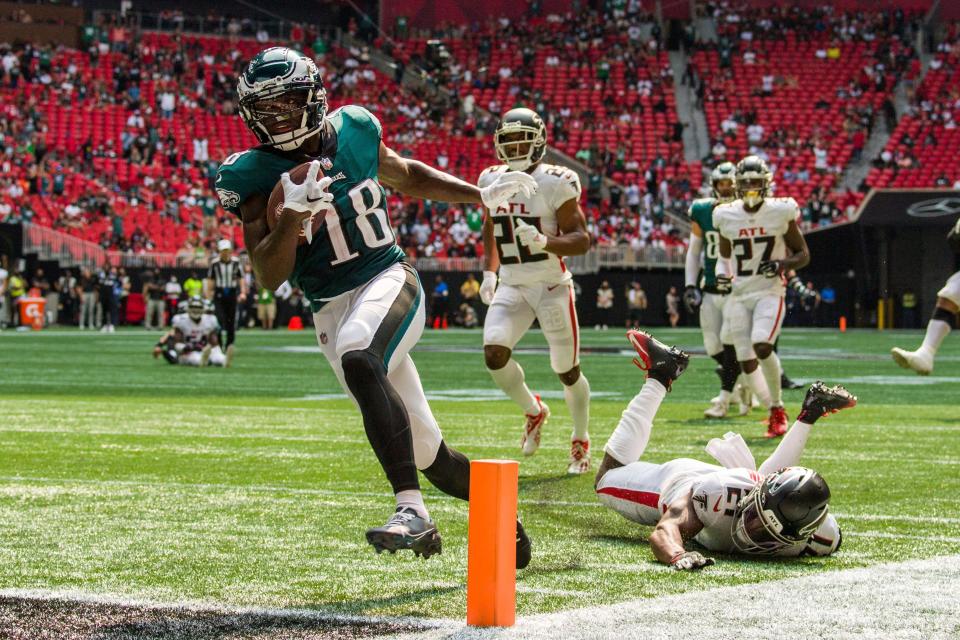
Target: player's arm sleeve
<point>692,267</point>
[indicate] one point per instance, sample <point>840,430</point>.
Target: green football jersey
<point>701,212</point>
<point>350,245</point>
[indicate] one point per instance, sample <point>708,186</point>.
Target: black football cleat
<point>822,400</point>
<point>406,530</point>
<point>523,547</point>
<point>787,383</point>
<point>661,362</point>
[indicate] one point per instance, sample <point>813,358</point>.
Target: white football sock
<point>937,330</point>
<point>725,396</point>
<point>510,380</point>
<point>629,439</point>
<point>577,396</point>
<point>771,373</point>
<point>412,499</point>
<point>758,385</point>
<point>789,450</point>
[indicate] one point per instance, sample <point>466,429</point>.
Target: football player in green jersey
<point>367,301</point>
<point>708,292</point>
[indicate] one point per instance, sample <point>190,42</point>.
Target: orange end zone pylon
<point>492,543</point>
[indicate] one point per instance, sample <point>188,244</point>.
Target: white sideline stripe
<point>914,600</point>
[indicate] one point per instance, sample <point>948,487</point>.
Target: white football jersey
<point>195,334</point>
<point>715,497</point>
<point>520,264</point>
<point>756,237</point>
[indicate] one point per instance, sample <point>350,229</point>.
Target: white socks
<point>510,380</point>
<point>937,330</point>
<point>756,383</point>
<point>577,396</point>
<point>771,373</point>
<point>412,499</point>
<point>629,439</point>
<point>789,450</point>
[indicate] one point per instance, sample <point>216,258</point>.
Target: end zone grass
<point>122,475</point>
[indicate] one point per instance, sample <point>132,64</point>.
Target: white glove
<point>488,287</point>
<point>505,187</point>
<point>529,235</point>
<point>311,196</point>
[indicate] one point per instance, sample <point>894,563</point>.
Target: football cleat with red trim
<point>821,401</point>
<point>531,431</point>
<point>579,457</point>
<point>777,426</point>
<point>662,362</point>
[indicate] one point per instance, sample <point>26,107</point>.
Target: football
<point>275,204</point>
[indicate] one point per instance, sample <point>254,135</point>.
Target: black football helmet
<point>753,180</point>
<point>783,510</point>
<point>520,152</point>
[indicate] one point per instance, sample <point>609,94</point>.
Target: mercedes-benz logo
<point>934,208</point>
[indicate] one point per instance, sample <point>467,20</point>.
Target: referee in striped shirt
<point>226,286</point>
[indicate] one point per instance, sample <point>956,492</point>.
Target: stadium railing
<point>70,251</point>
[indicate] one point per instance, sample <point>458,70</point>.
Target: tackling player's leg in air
<point>943,320</point>
<point>709,292</point>
<point>332,238</point>
<point>779,509</point>
<point>525,238</point>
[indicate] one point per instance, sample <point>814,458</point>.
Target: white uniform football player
<point>193,340</point>
<point>944,320</point>
<point>761,234</point>
<point>779,509</point>
<point>525,239</point>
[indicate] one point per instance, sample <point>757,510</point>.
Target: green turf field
<point>122,475</point>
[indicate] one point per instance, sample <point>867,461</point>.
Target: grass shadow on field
<point>361,607</point>
<point>71,620</point>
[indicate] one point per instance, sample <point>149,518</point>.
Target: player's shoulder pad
<point>361,118</point>
<point>564,180</point>
<point>236,178</point>
<point>705,205</point>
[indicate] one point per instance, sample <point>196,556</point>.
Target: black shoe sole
<point>426,544</point>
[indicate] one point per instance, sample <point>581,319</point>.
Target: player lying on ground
<point>944,319</point>
<point>367,301</point>
<point>779,509</point>
<point>193,340</point>
<point>525,238</point>
<point>761,235</point>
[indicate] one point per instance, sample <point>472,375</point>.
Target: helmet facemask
<point>195,310</point>
<point>751,190</point>
<point>724,190</point>
<point>519,146</point>
<point>297,112</point>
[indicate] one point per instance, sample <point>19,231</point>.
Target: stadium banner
<point>910,208</point>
